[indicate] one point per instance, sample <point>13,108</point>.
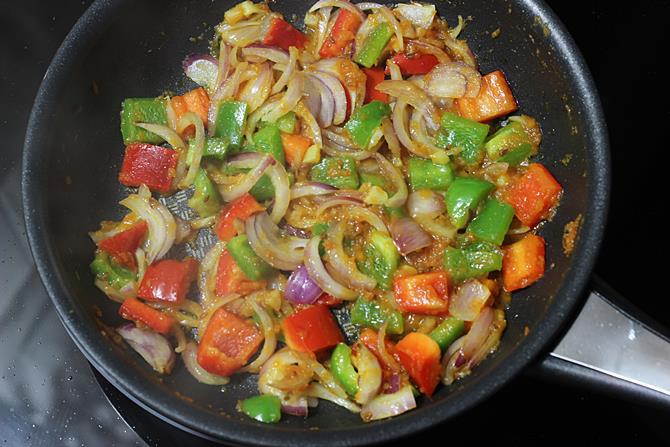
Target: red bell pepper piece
<point>151,165</point>
<point>343,33</point>
<point>168,280</point>
<point>240,208</point>
<point>283,35</point>
<point>495,99</point>
<point>426,293</point>
<point>533,195</point>
<point>416,64</point>
<point>523,262</point>
<point>125,241</point>
<point>196,101</point>
<point>228,343</point>
<point>374,76</point>
<point>328,300</point>
<point>420,356</point>
<point>135,310</point>
<point>311,329</point>
<point>231,279</point>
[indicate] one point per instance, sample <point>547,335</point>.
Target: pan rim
<point>230,431</point>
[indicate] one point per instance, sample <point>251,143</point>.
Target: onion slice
<point>453,80</point>
<point>342,264</point>
<point>202,69</point>
<point>338,4</point>
<point>303,189</point>
<point>259,164</point>
<point>300,288</point>
<point>387,405</point>
<point>398,199</point>
<point>276,55</point>
<point>283,253</point>
<point>408,236</point>
<point>468,300</point>
<point>190,358</point>
<point>192,119</point>
<point>270,342</point>
<point>153,347</point>
<point>320,275</point>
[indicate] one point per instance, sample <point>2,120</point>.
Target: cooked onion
<point>288,71</point>
<point>387,405</point>
<point>417,14</point>
<point>153,347</point>
<point>392,141</point>
<point>259,164</point>
<point>290,98</point>
<point>321,392</point>
<point>390,19</point>
<point>192,119</point>
<point>270,343</point>
<point>468,299</point>
<point>414,96</point>
<point>256,91</point>
<point>310,122</point>
<point>369,373</point>
<point>281,184</point>
<point>338,4</point>
<point>264,52</point>
<point>283,253</point>
<point>419,46</point>
<point>398,199</point>
<point>342,264</point>
<point>189,356</point>
<point>286,371</point>
<point>408,236</point>
<point>319,100</point>
<point>453,80</point>
<point>303,189</point>
<point>320,275</point>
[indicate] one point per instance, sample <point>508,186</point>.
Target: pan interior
<point>134,49</point>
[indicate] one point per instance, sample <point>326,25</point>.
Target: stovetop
<point>49,395</point>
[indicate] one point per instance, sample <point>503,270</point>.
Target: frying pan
<point>127,48</point>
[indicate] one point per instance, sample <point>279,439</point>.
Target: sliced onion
<point>294,231</point>
<point>310,122</point>
<point>189,355</point>
<point>492,340</point>
<point>128,291</point>
<point>392,141</point>
<point>295,406</point>
<point>153,347</point>
<point>453,80</point>
<point>335,150</point>
<point>207,274</point>
<point>319,100</point>
<point>192,119</point>
<point>338,4</point>
<point>232,191</point>
<point>419,134</point>
<point>398,199</point>
<point>300,288</point>
<point>390,19</point>
<point>244,33</point>
<point>348,73</point>
<point>283,253</point>
<point>276,55</point>
<point>259,115</point>
<point>317,271</point>
<point>343,265</point>
<point>161,225</point>
<point>286,371</point>
<point>418,14</point>
<point>408,236</point>
<point>414,96</point>
<point>334,200</point>
<point>270,339</point>
<point>202,69</point>
<point>290,99</point>
<point>321,392</point>
<point>256,91</point>
<point>282,187</point>
<point>222,75</point>
<point>227,89</point>
<point>401,131</point>
<point>468,299</point>
<point>425,202</point>
<point>339,95</point>
<point>418,46</point>
<point>369,373</point>
<point>388,405</point>
<point>460,49</point>
<point>303,189</point>
<point>478,332</point>
<point>290,69</point>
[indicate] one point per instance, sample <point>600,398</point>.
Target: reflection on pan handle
<point>613,347</point>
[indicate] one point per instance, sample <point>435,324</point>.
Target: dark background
<point>624,48</point>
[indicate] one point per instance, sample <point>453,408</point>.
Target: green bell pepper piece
<point>374,179</point>
<point>465,134</point>
<point>517,155</point>
<point>340,172</point>
<point>507,139</point>
<point>395,212</point>
<point>424,174</point>
<point>476,259</point>
<point>381,259</point>
<point>264,408</point>
<point>247,260</point>
<point>142,110</point>
<point>374,45</point>
<point>370,313</point>
<point>365,120</point>
<point>107,270</point>
<point>215,147</point>
<point>268,140</point>
<point>206,200</point>
<point>343,370</point>
<point>492,222</point>
<point>287,123</point>
<point>463,197</point>
<point>263,189</point>
<point>447,332</point>
<point>319,228</point>
<point>230,122</point>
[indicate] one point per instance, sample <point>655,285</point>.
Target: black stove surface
<point>49,395</point>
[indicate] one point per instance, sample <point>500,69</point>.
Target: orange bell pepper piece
<point>523,262</point>
<point>231,279</point>
<point>228,343</point>
<point>420,356</point>
<point>533,195</point>
<point>495,99</point>
<point>311,329</point>
<point>343,33</point>
<point>196,101</point>
<point>135,310</point>
<point>295,147</point>
<point>426,293</point>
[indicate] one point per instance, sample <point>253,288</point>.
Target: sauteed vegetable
<point>366,198</point>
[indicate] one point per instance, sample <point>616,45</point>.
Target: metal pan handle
<point>614,348</point>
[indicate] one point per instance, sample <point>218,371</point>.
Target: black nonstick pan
<point>127,48</point>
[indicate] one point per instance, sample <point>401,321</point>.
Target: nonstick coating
<point>73,151</point>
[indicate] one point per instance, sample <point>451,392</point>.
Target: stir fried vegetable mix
<point>364,167</point>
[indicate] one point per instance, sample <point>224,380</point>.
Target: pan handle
<point>614,348</point>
